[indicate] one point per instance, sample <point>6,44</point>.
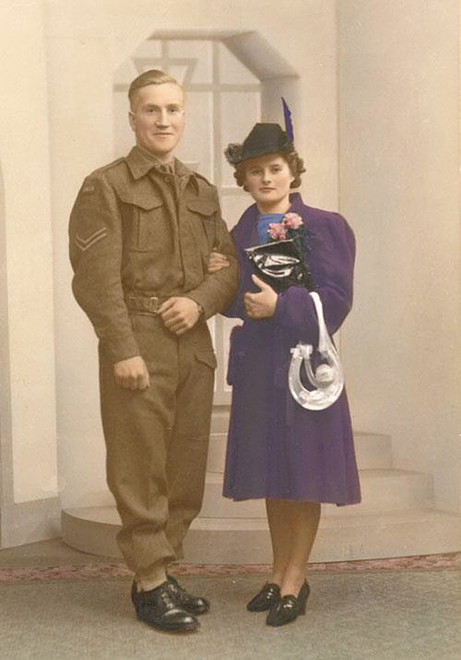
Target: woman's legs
<point>281,537</point>
<point>293,526</point>
<point>304,519</point>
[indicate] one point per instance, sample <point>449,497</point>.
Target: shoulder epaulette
<point>105,168</point>
<point>200,176</point>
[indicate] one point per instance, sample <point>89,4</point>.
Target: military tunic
<point>141,232</point>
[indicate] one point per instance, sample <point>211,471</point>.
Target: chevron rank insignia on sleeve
<point>85,243</point>
<point>88,189</point>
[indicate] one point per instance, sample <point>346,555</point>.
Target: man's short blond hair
<point>151,77</point>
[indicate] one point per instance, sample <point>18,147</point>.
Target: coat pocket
<point>207,357</point>
<point>202,215</point>
<point>204,208</point>
<point>236,355</point>
<point>142,214</point>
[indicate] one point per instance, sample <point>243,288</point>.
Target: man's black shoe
<point>160,609</point>
<point>192,604</point>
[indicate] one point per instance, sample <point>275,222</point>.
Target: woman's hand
<point>216,262</point>
<point>260,305</point>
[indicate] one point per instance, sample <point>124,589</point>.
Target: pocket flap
<point>144,200</point>
<point>202,207</point>
<point>207,357</point>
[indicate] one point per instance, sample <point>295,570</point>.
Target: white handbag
<point>328,378</point>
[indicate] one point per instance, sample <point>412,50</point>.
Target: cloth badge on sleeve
<point>85,243</point>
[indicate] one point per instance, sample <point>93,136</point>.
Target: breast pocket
<point>144,219</point>
<point>203,216</point>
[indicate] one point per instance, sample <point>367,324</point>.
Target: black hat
<point>263,139</point>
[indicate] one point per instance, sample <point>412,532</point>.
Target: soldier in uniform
<point>141,232</point>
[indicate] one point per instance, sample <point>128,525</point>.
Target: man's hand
<point>179,314</point>
<point>260,305</point>
<point>216,262</point>
<point>132,373</point>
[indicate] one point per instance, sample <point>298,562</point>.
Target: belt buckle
<point>153,304</point>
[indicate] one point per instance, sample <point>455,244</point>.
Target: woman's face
<point>268,180</point>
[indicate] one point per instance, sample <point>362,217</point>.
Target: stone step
<point>382,490</point>
<point>373,451</point>
<point>247,541</point>
<point>345,538</point>
<point>220,419</point>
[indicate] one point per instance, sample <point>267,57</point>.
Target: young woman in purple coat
<point>292,457</point>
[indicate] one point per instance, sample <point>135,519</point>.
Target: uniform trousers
<point>157,442</point>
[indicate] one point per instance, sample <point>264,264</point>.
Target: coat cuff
<point>120,349</point>
<point>201,302</point>
<point>280,309</point>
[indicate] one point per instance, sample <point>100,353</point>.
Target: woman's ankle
<point>276,578</point>
<point>292,582</point>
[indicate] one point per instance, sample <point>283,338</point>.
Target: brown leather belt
<point>147,304</point>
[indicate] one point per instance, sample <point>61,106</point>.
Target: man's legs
<point>188,448</point>
<point>157,442</point>
<point>137,428</point>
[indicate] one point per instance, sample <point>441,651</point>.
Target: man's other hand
<point>179,314</point>
<point>132,373</point>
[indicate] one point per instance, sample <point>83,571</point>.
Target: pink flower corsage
<point>292,221</point>
<point>278,230</point>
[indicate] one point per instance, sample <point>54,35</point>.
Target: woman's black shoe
<point>288,608</point>
<point>265,599</point>
<point>193,604</point>
<point>159,609</point>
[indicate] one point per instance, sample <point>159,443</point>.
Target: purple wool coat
<point>276,448</point>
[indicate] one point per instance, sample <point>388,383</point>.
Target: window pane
<point>232,71</point>
<point>239,113</point>
<point>196,145</point>
<point>232,206</point>
<point>201,51</point>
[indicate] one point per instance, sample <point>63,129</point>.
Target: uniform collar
<point>141,162</point>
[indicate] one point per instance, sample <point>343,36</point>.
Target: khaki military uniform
<point>141,232</point>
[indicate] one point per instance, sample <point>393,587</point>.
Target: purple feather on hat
<point>288,122</point>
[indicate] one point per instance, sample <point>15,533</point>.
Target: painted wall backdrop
<point>374,88</point>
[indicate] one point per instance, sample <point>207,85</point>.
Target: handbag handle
<point>328,379</point>
<point>324,337</point>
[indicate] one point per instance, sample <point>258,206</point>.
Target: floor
<point>56,602</point>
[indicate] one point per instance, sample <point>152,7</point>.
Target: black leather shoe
<point>288,608</point>
<point>159,609</point>
<point>192,604</point>
<point>264,599</point>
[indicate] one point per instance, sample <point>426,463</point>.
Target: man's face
<point>157,118</point>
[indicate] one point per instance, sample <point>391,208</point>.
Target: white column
<point>80,73</point>
<point>29,505</point>
<point>399,136</point>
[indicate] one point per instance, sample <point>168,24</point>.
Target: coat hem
<point>294,498</point>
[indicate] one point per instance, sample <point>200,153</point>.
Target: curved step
<point>381,490</point>
<point>246,541</point>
